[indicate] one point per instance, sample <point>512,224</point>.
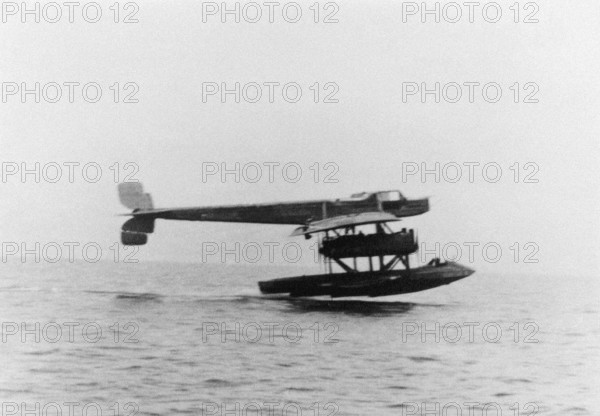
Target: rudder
<point>131,194</point>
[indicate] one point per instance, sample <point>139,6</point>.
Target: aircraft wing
<point>343,221</point>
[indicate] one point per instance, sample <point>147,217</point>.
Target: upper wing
<point>343,221</point>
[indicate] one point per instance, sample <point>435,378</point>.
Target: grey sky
<point>369,54</point>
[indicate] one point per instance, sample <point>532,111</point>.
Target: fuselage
<point>297,213</point>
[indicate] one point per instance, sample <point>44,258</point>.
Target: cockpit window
<point>390,196</point>
<point>360,195</point>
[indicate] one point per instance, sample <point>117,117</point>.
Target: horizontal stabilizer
<point>133,239</point>
<point>139,225</point>
<point>133,197</point>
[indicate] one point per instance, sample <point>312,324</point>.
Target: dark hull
<point>372,284</point>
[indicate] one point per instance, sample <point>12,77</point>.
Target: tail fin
<point>135,230</point>
<point>133,197</point>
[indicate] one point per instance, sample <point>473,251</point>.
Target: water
<point>162,345</point>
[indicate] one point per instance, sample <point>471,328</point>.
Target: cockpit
<point>390,196</point>
<point>358,196</point>
<point>382,196</point>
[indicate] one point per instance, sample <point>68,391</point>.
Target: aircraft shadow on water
<point>346,307</point>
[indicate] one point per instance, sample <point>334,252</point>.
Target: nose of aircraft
<point>460,271</point>
<point>467,271</point>
<point>418,206</point>
<point>424,204</point>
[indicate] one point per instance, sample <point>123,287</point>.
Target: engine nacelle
<point>370,245</point>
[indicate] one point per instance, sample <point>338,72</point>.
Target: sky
<point>368,127</point>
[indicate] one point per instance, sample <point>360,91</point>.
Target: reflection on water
<point>346,307</point>
<point>173,340</point>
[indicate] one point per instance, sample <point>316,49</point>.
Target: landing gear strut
<point>384,242</point>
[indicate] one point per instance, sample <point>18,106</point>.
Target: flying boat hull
<point>368,283</point>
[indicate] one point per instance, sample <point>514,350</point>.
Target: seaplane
<point>336,222</point>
